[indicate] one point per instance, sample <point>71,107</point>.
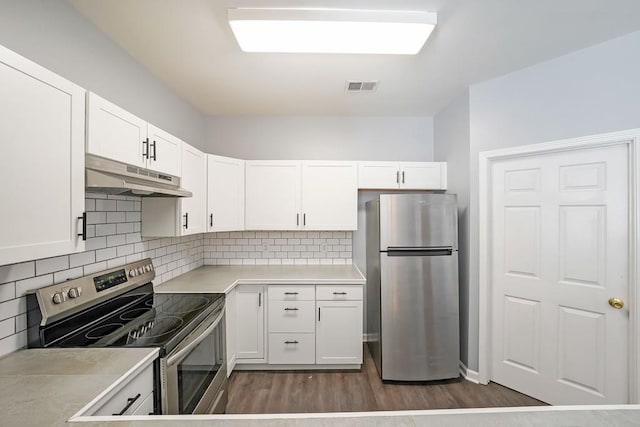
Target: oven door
<point>194,374</point>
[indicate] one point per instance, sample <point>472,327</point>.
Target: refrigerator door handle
<point>419,251</point>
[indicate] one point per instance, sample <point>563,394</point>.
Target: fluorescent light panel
<point>331,30</point>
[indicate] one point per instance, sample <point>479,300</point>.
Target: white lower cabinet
<point>304,325</point>
<point>134,396</point>
<point>339,332</point>
<point>250,325</point>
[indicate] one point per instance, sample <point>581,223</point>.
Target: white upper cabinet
<point>165,151</point>
<point>272,195</point>
<point>225,193</point>
<point>41,161</point>
<point>116,134</point>
<point>170,217</point>
<point>329,195</point>
<point>307,195</point>
<point>194,178</point>
<point>402,175</point>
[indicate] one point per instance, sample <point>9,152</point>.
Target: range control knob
<point>140,270</point>
<point>133,273</point>
<point>59,298</point>
<point>148,267</point>
<point>75,292</point>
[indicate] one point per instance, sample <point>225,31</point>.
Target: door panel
<point>419,318</point>
<point>225,194</point>
<point>559,252</point>
<point>165,151</point>
<point>418,220</point>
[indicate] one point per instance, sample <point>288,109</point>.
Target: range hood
<point>112,177</point>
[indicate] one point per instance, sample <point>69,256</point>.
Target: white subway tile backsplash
<point>13,343</point>
<point>24,286</point>
<point>94,268</point>
<point>118,239</point>
<point>13,307</point>
<point>83,258</point>
<point>65,275</point>
<point>7,291</point>
<point>106,205</point>
<point>95,243</point>
<point>105,229</point>
<point>11,273</point>
<point>50,265</point>
<point>104,254</point>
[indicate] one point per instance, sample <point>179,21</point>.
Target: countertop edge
<point>153,354</point>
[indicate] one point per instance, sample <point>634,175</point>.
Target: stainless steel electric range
<point>118,308</point>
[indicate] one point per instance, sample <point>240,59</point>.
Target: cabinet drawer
<point>291,293</point>
<point>338,292</point>
<point>141,385</point>
<point>291,316</point>
<point>292,349</point>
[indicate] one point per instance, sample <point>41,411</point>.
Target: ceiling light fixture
<point>331,30</point>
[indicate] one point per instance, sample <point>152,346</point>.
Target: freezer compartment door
<point>419,317</point>
<point>418,220</point>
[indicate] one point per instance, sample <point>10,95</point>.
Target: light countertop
<point>46,387</point>
<point>222,279</point>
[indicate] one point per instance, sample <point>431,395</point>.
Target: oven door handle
<point>175,358</point>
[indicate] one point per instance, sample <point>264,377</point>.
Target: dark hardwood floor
<point>255,392</point>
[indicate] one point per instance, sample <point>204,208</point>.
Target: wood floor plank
<point>264,392</point>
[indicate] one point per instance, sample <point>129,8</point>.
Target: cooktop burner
<point>103,330</point>
<point>134,313</point>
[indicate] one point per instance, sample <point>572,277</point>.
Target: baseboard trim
<point>468,374</point>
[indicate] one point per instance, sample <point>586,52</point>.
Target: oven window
<point>197,370</point>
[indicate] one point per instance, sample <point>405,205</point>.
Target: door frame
<point>631,138</point>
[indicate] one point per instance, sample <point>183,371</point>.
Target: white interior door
<point>559,251</point>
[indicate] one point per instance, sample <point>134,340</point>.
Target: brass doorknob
<point>616,303</point>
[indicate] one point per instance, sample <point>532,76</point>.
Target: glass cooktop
<point>137,319</point>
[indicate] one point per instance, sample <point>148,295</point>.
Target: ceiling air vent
<point>354,86</point>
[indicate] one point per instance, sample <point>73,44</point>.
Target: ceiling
<point>189,46</point>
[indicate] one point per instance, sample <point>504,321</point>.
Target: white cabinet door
<point>115,133</point>
<point>225,193</point>
<point>378,175</point>
<point>165,151</point>
<point>423,176</point>
<point>339,332</point>
<point>41,161</point>
<point>329,195</point>
<point>231,329</point>
<point>272,195</point>
<point>250,325</point>
<point>171,217</point>
<point>194,175</point>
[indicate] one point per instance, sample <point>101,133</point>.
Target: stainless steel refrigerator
<point>412,286</point>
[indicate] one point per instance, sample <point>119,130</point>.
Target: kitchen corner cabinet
<point>301,195</point>
<point>250,324</point>
<point>402,175</point>
<point>225,194</point>
<point>114,133</point>
<point>171,217</point>
<point>42,134</point>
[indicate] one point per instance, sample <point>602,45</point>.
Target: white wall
<point>53,34</point>
<point>322,138</point>
<point>451,145</point>
<point>590,91</point>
